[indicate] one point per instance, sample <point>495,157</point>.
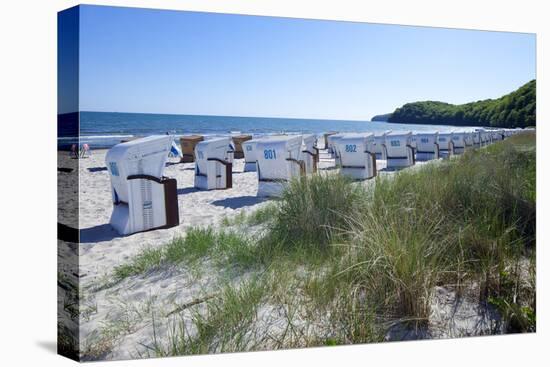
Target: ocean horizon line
<point>105,129</point>
<point>211,115</point>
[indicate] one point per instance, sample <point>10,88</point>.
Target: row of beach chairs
<point>403,149</point>
<point>276,159</point>
<point>144,199</point>
<point>279,158</point>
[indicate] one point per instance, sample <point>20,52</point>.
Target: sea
<point>105,129</point>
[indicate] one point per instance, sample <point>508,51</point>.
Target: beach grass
<point>312,207</point>
<point>225,248</point>
<point>342,261</point>
<point>470,219</point>
<point>222,325</point>
<point>146,260</point>
<point>260,216</point>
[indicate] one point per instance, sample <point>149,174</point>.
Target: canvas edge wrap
<point>68,232</point>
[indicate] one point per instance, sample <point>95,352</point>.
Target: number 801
<point>270,154</point>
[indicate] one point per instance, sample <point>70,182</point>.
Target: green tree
<point>517,109</point>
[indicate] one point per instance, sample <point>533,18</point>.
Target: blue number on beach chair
<point>424,140</point>
<point>351,148</point>
<point>395,143</point>
<point>270,154</point>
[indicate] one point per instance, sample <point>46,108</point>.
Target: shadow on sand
<point>102,232</point>
<point>187,190</point>
<point>239,202</point>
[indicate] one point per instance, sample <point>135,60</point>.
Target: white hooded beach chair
<point>481,138</point>
<point>213,168</point>
<point>477,138</point>
<point>398,150</point>
<point>380,139</point>
<point>333,147</point>
<point>143,199</point>
<point>427,147</point>
<point>357,156</point>
<point>497,135</point>
<point>249,151</point>
<point>310,153</point>
<point>459,142</point>
<point>325,138</point>
<point>446,145</point>
<point>469,138</point>
<point>413,143</point>
<point>486,137</point>
<point>331,144</point>
<point>278,161</point>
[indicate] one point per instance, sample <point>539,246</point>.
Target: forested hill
<point>383,117</point>
<point>517,109</point>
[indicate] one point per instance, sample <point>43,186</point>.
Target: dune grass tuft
<point>147,259</point>
<point>312,207</point>
<point>224,248</point>
<point>222,325</point>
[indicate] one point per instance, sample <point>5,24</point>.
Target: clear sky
<point>140,60</point>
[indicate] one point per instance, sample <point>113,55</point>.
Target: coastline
<point>121,319</point>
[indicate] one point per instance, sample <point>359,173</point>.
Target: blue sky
<point>141,60</point>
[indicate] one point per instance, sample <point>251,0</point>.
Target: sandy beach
<point>102,248</point>
<point>117,320</point>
